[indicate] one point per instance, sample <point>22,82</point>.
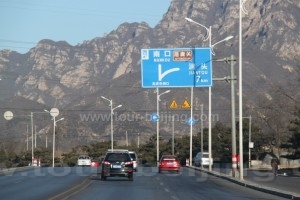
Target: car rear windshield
<point>84,157</point>
<point>169,158</point>
<point>133,156</point>
<point>121,157</point>
<point>205,156</point>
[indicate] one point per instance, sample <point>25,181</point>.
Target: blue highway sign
<point>191,120</point>
<point>154,117</point>
<point>179,67</point>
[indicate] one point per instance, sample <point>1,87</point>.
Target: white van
<point>202,159</point>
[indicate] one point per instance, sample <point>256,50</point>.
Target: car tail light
<point>128,163</point>
<point>162,163</point>
<point>106,163</point>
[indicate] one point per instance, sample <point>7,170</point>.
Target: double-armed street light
<point>157,121</point>
<point>54,113</point>
<point>209,88</point>
<point>209,35</point>
<point>111,119</point>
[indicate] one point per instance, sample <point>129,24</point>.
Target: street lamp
<point>157,122</point>
<point>242,10</point>
<point>209,88</point>
<point>111,120</point>
<point>54,113</point>
<point>8,115</point>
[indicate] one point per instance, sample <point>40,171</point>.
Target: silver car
<point>135,160</point>
<point>201,159</point>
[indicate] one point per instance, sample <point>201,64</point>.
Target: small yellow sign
<point>174,105</point>
<point>185,104</point>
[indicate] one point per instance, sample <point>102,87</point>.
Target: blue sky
<point>25,22</point>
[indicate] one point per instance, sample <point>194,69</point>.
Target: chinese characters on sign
<point>182,55</point>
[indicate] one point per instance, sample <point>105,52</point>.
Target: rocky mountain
<point>73,78</point>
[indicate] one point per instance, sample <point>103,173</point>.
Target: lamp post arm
<point>225,39</point>
<point>243,7</point>
<point>110,101</point>
<point>207,29</point>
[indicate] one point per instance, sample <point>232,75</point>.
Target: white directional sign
<point>8,115</point>
<point>180,67</point>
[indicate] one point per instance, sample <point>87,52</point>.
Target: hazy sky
<point>25,22</point>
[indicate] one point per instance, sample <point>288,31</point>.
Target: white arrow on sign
<point>162,75</point>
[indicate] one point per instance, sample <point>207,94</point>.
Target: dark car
<point>117,164</point>
<point>169,163</point>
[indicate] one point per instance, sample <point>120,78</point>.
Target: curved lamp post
<point>209,88</point>
<point>157,122</point>
<point>111,119</point>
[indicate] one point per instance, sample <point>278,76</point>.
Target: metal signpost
<point>179,67</point>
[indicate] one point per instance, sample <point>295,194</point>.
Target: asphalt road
<point>84,183</point>
<point>148,185</point>
<point>40,183</point>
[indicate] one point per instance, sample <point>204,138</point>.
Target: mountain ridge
<point>73,78</point>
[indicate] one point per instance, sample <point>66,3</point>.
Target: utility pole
<point>173,135</point>
<point>35,136</point>
<point>233,131</point>
<point>201,131</point>
<point>126,138</point>
<point>232,78</point>
<point>138,140</point>
<point>27,137</point>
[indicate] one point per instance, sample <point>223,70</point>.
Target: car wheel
<point>130,177</point>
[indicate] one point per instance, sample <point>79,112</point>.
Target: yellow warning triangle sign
<point>185,104</point>
<point>173,104</point>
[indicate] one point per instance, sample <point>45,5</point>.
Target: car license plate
<point>116,166</point>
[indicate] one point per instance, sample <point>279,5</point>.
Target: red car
<point>95,163</point>
<point>169,163</point>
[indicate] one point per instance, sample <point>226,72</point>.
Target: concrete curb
<point>269,190</point>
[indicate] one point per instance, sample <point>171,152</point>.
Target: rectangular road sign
<point>179,67</point>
